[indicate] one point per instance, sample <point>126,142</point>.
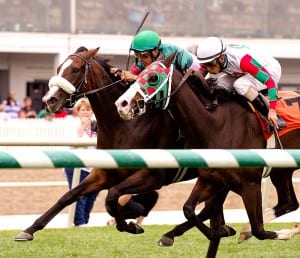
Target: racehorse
<point>86,74</point>
<point>230,125</point>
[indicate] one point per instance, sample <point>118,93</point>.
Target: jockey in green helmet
<point>147,47</point>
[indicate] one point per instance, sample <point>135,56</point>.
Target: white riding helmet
<point>210,49</point>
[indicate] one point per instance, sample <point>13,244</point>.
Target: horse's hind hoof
<point>244,236</point>
<point>165,241</point>
<point>23,236</point>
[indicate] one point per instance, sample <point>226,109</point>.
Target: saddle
<point>287,108</point>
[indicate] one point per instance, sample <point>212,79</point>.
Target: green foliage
<point>107,242</point>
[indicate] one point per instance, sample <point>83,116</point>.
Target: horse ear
<point>161,57</point>
<point>81,49</point>
<point>170,59</point>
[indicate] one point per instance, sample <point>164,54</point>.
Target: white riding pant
<point>247,85</point>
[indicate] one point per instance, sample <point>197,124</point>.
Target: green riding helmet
<point>145,40</point>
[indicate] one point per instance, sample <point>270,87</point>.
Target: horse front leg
<point>212,206</point>
<point>140,182</point>
<point>203,191</point>
<point>91,184</point>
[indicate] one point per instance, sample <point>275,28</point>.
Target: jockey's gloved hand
<point>116,71</point>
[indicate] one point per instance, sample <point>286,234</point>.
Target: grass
<point>107,242</point>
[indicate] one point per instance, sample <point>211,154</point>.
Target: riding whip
<point>137,31</point>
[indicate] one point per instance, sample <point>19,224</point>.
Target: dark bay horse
<point>86,74</point>
<point>230,126</point>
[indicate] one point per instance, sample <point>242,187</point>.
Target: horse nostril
<point>124,103</point>
<point>51,100</point>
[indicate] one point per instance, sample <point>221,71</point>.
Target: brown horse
<point>86,74</point>
<point>231,125</point>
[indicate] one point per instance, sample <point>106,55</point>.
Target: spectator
<point>27,108</point>
<point>86,129</point>
<point>3,114</point>
<point>11,105</point>
<point>45,114</point>
<point>61,114</point>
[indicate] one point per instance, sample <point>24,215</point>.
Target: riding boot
<point>262,106</point>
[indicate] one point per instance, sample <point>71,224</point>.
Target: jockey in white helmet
<point>241,68</point>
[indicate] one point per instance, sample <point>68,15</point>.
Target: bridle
<point>148,99</point>
<point>77,94</point>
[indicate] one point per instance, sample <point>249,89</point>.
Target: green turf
<point>108,242</point>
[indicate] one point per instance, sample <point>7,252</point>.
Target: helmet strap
<point>154,57</point>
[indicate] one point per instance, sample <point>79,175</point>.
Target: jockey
<point>247,72</point>
<point>147,47</point>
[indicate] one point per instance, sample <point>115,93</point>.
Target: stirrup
<point>281,124</point>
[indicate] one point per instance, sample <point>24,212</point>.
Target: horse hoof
<point>137,229</point>
<point>287,234</point>
<point>296,228</point>
<point>23,236</point>
<point>244,236</point>
<point>229,230</point>
<point>165,241</point>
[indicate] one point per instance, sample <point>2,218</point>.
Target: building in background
<point>39,35</point>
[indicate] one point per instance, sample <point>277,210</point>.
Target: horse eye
<point>153,78</point>
<point>76,70</point>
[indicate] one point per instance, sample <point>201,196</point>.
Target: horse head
<point>152,88</point>
<point>71,80</point>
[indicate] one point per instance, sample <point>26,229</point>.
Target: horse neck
<point>103,103</point>
<point>229,125</point>
<point>193,119</point>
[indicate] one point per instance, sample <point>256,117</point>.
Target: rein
<point>77,95</point>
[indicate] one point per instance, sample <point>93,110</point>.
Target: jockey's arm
<point>251,66</point>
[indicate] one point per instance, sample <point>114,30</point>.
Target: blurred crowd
<point>10,108</point>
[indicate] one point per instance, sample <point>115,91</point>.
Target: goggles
<point>210,64</point>
<point>144,54</point>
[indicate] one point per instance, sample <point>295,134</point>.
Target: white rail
<point>33,134</point>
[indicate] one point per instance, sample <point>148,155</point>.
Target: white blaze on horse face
<point>60,82</point>
<point>124,102</point>
<point>65,66</point>
<point>50,93</point>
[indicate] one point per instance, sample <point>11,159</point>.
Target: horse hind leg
<point>283,182</point>
<point>253,203</point>
<point>246,233</point>
<point>281,178</point>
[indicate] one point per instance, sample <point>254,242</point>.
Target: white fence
<point>33,134</point>
<point>40,134</point>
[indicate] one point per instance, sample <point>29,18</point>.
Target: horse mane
<point>103,61</point>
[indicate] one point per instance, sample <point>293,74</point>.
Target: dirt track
<point>35,200</point>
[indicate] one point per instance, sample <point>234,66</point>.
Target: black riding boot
<point>262,106</point>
